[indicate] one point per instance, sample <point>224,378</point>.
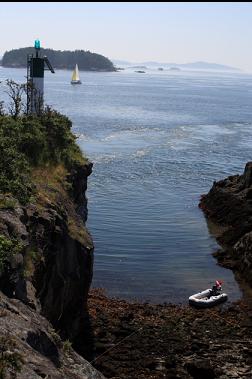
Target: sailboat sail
<point>75,76</point>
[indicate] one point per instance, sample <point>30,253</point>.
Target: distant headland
<point>86,60</point>
<point>201,66</point>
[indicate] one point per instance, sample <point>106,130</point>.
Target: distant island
<point>141,67</point>
<point>86,60</point>
<point>204,66</point>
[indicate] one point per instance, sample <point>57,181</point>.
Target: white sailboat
<point>75,76</point>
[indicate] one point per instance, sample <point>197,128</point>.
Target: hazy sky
<point>164,32</point>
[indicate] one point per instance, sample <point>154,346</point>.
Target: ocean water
<point>158,141</point>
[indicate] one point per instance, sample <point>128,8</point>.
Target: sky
<point>169,32</point>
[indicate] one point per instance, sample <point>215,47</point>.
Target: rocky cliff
<point>45,276</point>
<point>229,205</point>
<point>46,252</point>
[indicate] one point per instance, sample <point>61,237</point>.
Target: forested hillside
<point>86,60</point>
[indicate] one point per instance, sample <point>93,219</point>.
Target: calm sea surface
<point>158,141</point>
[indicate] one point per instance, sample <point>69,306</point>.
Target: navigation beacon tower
<point>35,80</point>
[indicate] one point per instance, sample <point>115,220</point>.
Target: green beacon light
<point>37,44</point>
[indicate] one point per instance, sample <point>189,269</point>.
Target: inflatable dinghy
<point>204,299</point>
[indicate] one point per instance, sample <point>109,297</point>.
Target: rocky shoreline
<point>229,206</point>
<point>144,341</point>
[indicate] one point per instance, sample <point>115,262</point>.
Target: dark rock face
<point>199,369</point>
<point>31,349</point>
<point>229,204</point>
<point>78,178</point>
<point>63,277</point>
<point>41,342</point>
<point>53,273</point>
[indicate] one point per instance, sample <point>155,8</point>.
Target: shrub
<point>67,346</point>
<point>9,359</point>
<point>8,248</point>
<point>7,202</point>
<point>14,171</point>
<point>29,141</point>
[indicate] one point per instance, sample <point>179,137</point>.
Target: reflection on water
<point>214,229</point>
<point>158,142</point>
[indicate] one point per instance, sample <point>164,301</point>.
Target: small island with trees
<point>86,60</point>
